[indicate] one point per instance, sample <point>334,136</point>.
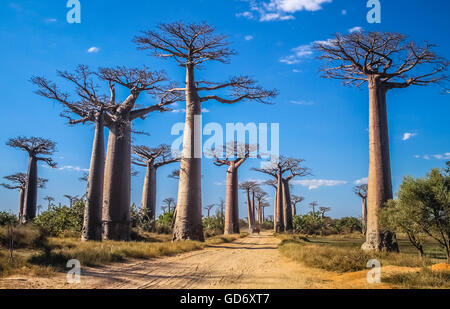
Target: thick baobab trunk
<point>188,223</point>
<point>275,210</point>
<point>364,216</point>
<point>148,204</point>
<point>250,213</point>
<point>253,207</point>
<point>287,207</point>
<point>231,203</point>
<point>29,212</point>
<point>92,225</point>
<point>116,192</point>
<point>380,185</point>
<point>21,203</point>
<point>294,210</point>
<point>279,220</point>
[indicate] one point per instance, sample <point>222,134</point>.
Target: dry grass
<point>58,251</point>
<point>422,279</point>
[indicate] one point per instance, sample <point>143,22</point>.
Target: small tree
<point>72,199</point>
<point>152,159</point>
<point>423,206</point>
<point>295,200</point>
<point>384,61</point>
<point>49,200</point>
<point>18,181</point>
<point>208,208</point>
<point>38,149</point>
<point>323,210</point>
<point>361,191</point>
<point>169,203</point>
<point>313,206</point>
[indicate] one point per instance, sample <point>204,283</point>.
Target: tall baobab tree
<point>72,199</point>
<point>50,200</point>
<point>384,61</point>
<point>117,182</point>
<point>175,174</point>
<point>38,149</point>
<point>323,210</point>
<point>235,156</point>
<point>152,159</point>
<point>208,208</point>
<point>248,186</point>
<point>295,200</point>
<point>313,206</point>
<point>90,106</point>
<point>261,199</point>
<point>284,170</point>
<point>361,191</point>
<point>273,183</point>
<point>18,181</point>
<point>169,203</point>
<point>264,206</point>
<point>192,46</point>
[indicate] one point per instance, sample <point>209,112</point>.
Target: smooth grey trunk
<point>380,184</point>
<point>287,206</point>
<point>29,212</point>
<point>250,213</point>
<point>231,202</point>
<point>279,220</point>
<point>92,225</point>
<point>188,222</point>
<point>116,191</point>
<point>364,216</point>
<point>148,204</point>
<point>21,203</point>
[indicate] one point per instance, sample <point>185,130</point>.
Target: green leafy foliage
<point>314,224</point>
<point>7,218</point>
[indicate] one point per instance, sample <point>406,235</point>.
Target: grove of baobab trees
<point>384,61</point>
<point>283,207</point>
<point>39,150</point>
<point>248,187</point>
<point>191,46</point>
<point>152,159</point>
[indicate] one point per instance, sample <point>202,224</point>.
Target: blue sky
<point>320,120</point>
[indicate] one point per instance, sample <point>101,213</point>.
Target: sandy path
<point>253,262</point>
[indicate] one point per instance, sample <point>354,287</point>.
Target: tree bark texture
<point>232,203</point>
<point>29,212</point>
<point>287,206</point>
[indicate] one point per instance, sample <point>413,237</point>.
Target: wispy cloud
<point>279,10</point>
<point>50,20</point>
<point>296,102</point>
<point>68,168</point>
<point>248,37</point>
<point>93,49</point>
<point>439,156</point>
<point>299,53</point>
<point>361,181</point>
<point>344,12</point>
<point>355,29</point>
<point>407,136</point>
<point>317,183</point>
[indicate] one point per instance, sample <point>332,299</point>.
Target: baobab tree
<point>89,106</point>
<point>384,61</point>
<point>49,200</point>
<point>284,170</point>
<point>323,210</point>
<point>261,199</point>
<point>313,206</point>
<point>235,155</point>
<point>152,159</point>
<point>295,200</point>
<point>38,149</point>
<point>72,199</point>
<point>192,46</point>
<point>264,206</point>
<point>208,208</point>
<point>361,191</point>
<point>248,186</point>
<point>117,182</point>
<point>18,181</point>
<point>169,203</point>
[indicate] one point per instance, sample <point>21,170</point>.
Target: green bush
<point>7,218</point>
<point>58,221</point>
<point>214,225</point>
<point>24,236</point>
<point>314,224</point>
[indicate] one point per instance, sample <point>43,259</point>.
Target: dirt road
<point>253,262</point>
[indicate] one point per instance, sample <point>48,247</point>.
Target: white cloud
<point>93,49</point>
<point>300,52</point>
<point>281,9</point>
<point>444,156</point>
<point>355,29</point>
<point>407,136</point>
<point>50,20</point>
<point>73,168</point>
<point>183,110</point>
<point>361,181</point>
<point>248,37</point>
<point>302,102</point>
<point>317,183</point>
<point>296,71</point>
<point>344,12</point>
